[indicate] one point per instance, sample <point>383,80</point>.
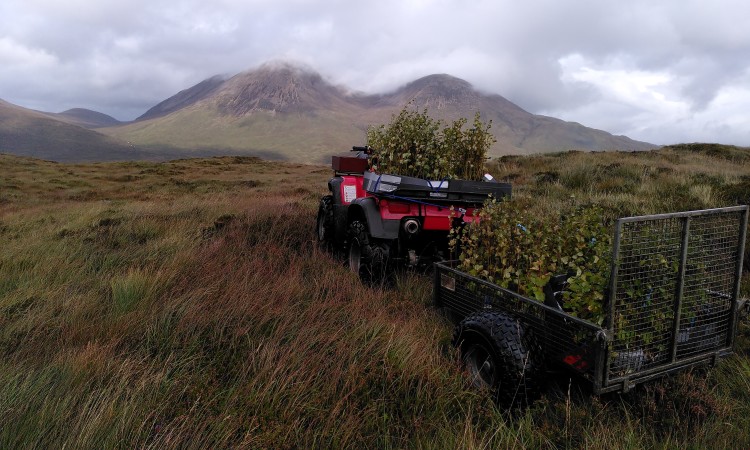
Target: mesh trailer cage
<point>563,339</point>
<point>672,301</point>
<point>673,292</point>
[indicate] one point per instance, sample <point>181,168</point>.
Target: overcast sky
<point>661,71</point>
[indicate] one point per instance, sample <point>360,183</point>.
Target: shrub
<point>517,249</point>
<point>414,144</point>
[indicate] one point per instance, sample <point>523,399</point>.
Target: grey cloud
<point>123,57</point>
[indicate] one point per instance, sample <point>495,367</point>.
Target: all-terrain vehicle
<point>672,303</point>
<point>380,221</point>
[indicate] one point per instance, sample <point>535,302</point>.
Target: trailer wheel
<point>325,222</point>
<point>366,258</point>
<point>499,355</point>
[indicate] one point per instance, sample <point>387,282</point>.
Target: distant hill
<point>86,118</point>
<point>294,113</point>
<point>30,133</point>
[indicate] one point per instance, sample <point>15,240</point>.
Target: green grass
<point>186,305</point>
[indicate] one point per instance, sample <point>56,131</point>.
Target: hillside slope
<point>184,98</point>
<point>30,133</point>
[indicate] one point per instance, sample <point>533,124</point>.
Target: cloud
<point>604,63</point>
<point>650,105</point>
<point>15,54</point>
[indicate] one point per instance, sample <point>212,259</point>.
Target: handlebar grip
<point>357,148</point>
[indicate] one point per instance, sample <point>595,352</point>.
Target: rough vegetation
<point>414,144</point>
<point>186,305</point>
<point>515,247</point>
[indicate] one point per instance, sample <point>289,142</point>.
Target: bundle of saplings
<point>516,249</point>
<point>416,145</point>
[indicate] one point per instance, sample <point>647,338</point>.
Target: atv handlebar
<point>358,148</point>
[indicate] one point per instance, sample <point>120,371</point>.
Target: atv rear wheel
<point>324,224</point>
<point>499,355</point>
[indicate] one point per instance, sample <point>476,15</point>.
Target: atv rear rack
<point>444,191</point>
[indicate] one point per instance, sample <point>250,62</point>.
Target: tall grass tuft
<point>129,289</point>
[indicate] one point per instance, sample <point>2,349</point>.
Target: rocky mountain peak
<point>440,85</point>
<point>276,87</point>
<point>439,92</point>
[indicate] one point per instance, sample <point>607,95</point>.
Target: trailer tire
<point>500,355</point>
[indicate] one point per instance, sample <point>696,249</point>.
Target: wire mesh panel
<point>649,258</point>
<point>673,289</point>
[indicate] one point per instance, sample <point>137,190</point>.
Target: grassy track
<point>186,305</point>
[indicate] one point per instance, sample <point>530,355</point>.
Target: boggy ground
<point>185,304</point>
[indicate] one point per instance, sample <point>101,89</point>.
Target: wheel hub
<point>480,366</point>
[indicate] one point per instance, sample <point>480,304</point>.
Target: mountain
<point>276,111</point>
<point>283,111</point>
<point>293,113</point>
<point>278,89</point>
<point>438,92</point>
<point>31,133</point>
<point>86,118</point>
<point>516,130</point>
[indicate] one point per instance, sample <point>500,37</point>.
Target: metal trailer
<point>672,303</point>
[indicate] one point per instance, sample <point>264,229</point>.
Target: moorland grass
<point>186,305</point>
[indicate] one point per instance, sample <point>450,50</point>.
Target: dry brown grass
<point>186,305</point>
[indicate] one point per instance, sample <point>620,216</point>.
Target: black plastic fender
<point>340,211</point>
<point>334,186</point>
<point>378,227</point>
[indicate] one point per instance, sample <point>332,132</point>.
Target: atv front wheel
<point>366,258</point>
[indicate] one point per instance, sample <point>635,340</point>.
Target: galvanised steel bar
<point>680,287</point>
<point>609,321</point>
<point>736,290</point>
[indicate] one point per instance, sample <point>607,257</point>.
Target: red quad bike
<point>383,221</point>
